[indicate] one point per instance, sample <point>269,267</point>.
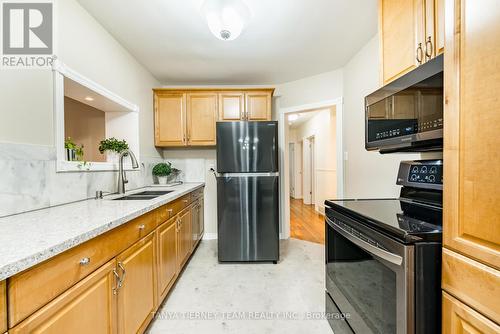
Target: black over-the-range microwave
<point>406,115</point>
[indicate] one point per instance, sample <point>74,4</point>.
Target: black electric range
<point>383,257</point>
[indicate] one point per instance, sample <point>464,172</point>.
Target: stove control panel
<point>421,174</point>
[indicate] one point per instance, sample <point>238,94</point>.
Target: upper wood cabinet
<point>471,218</point>
<point>201,118</point>
<point>258,106</point>
<point>3,307</point>
<point>170,119</point>
<point>231,106</point>
<point>88,307</point>
<point>137,294</point>
<point>411,32</point>
<point>188,117</point>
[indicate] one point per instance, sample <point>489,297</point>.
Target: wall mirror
<point>85,114</point>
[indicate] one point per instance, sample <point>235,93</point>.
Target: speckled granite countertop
<point>30,238</point>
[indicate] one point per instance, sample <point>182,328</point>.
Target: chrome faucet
<point>122,177</point>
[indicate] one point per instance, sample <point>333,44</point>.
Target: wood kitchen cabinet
<point>458,318</point>
<point>201,118</point>
<point>231,106</point>
<point>88,307</point>
<point>3,307</point>
<point>258,106</point>
<point>167,256</point>
<point>170,119</point>
<point>184,240</point>
<point>137,293</point>
<point>411,32</point>
<point>471,214</point>
<point>188,117</point>
<point>197,221</point>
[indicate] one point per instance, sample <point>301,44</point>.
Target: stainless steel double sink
<point>144,195</point>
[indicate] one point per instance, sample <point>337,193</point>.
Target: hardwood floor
<point>306,223</point>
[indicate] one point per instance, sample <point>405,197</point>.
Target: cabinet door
<point>88,307</point>
<point>258,106</point>
<point>434,28</point>
<point>231,106</point>
<point>137,295</point>
<point>461,319</point>
<point>167,256</point>
<point>170,119</point>
<point>201,118</point>
<point>195,218</point>
<point>401,28</point>
<point>471,215</point>
<point>438,27</point>
<point>3,307</point>
<point>184,237</point>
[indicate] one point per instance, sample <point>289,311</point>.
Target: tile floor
<point>222,293</point>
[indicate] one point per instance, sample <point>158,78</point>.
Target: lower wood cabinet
<point>3,307</point>
<point>88,307</point>
<point>167,256</point>
<point>184,241</point>
<point>458,318</point>
<point>197,221</point>
<point>137,287</point>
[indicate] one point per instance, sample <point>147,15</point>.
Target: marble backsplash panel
<point>28,179</point>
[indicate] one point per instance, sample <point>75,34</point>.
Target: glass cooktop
<point>403,219</point>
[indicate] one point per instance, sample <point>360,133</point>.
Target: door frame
<point>284,179</point>
<point>291,169</point>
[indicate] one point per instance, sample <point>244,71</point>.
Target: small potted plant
<point>73,151</point>
<point>113,146</point>
<point>162,171</point>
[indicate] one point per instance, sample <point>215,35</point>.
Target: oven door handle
<point>388,256</point>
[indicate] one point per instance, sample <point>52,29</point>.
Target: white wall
<point>367,174</point>
<point>322,127</point>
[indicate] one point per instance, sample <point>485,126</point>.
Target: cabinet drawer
<point>472,282</point>
<point>195,195</point>
<point>35,287</point>
<point>458,318</point>
<point>3,307</point>
<point>88,307</point>
<point>171,209</point>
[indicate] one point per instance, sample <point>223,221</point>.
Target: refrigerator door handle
<point>246,174</point>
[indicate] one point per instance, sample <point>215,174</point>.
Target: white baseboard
<point>210,236</point>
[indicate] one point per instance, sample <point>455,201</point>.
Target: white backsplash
<point>28,179</point>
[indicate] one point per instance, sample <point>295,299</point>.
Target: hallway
<point>306,223</point>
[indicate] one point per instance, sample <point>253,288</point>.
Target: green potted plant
<point>113,146</point>
<point>162,171</point>
<point>73,151</point>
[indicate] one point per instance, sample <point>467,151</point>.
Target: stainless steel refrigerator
<point>247,191</point>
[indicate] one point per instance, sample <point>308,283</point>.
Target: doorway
<point>311,135</point>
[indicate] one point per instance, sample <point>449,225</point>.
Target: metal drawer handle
<point>170,211</point>
<point>388,256</point>
<point>185,200</point>
<point>120,283</point>
<point>420,53</point>
<point>142,227</point>
<point>428,55</point>
<point>85,261</point>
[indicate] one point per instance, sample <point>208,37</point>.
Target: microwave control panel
<point>423,173</point>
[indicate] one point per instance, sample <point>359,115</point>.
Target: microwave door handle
<point>388,256</point>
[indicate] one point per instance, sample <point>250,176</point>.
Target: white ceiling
<point>303,118</point>
<point>285,40</point>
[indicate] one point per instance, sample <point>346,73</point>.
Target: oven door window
<point>362,287</point>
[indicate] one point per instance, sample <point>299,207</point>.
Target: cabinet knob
<point>142,227</point>
<point>85,261</point>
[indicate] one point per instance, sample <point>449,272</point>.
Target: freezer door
<point>248,218</point>
<point>247,147</point>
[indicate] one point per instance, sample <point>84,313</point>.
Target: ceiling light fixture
<point>226,19</point>
<point>89,98</point>
<point>293,117</point>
